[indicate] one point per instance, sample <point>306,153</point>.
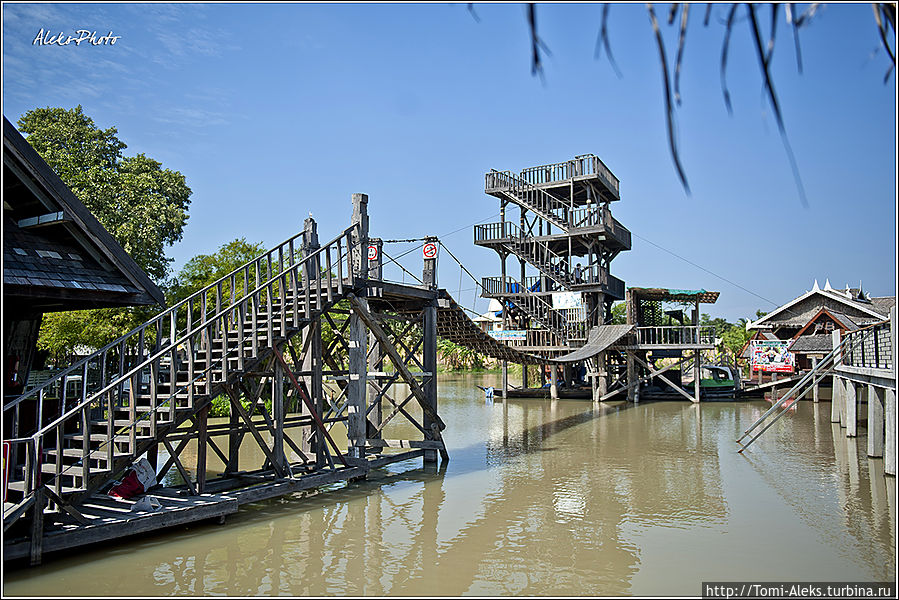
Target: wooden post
<point>375,363</point>
<point>631,377</point>
<point>357,384</point>
<point>202,439</point>
<point>429,362</point>
<point>553,382</point>
<point>375,258</point>
<point>37,527</point>
<point>851,409</point>
<point>505,370</point>
<point>429,271</point>
<point>278,415</point>
<point>360,236</point>
<point>234,439</point>
<point>836,394</point>
<point>524,376</point>
<point>875,420</point>
<point>697,369</point>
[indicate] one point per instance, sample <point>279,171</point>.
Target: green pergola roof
<point>675,295</point>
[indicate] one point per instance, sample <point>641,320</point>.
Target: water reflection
<point>561,498</point>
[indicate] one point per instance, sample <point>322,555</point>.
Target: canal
<point>539,498</point>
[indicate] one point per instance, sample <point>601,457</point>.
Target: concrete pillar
<point>889,446</point>
<point>553,382</point>
<point>524,376</point>
<point>815,391</point>
<point>875,420</point>
<point>851,410</point>
<point>837,384</point>
<point>836,394</point>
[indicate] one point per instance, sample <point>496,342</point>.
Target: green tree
<point>141,204</point>
<point>619,313</point>
<point>204,269</point>
<point>736,336</point>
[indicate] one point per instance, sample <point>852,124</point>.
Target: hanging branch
<point>770,52</point>
<point>795,26</point>
<point>680,52</point>
<point>669,109</point>
<point>884,9</point>
<point>772,96</point>
<point>536,43</point>
<point>725,47</point>
<point>603,40</point>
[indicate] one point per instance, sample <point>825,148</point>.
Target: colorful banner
<point>567,300</point>
<point>771,356</point>
<point>510,335</point>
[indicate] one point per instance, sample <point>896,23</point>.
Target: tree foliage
<point>141,204</point>
<point>204,269</point>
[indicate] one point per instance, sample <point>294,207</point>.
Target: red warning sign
<point>429,250</point>
<point>372,253</point>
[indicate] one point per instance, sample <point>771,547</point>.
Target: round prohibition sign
<point>429,250</point>
<point>372,253</point>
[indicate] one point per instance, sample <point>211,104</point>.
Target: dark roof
<point>56,255</point>
<point>675,295</point>
<point>800,310</point>
<point>813,343</point>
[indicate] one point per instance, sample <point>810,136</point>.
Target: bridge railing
<point>675,335</point>
<point>486,232</point>
<point>581,165</point>
<point>493,286</point>
<point>870,348</point>
<point>241,319</point>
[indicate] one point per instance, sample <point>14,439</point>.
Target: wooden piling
<point>429,362</point>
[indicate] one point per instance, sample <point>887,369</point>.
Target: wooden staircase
<point>144,385</point>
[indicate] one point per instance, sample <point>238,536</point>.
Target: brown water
<point>539,498</point>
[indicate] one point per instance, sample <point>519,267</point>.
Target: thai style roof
<point>802,309</point>
<point>56,255</point>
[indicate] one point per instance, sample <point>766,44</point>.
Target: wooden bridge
<point>266,337</point>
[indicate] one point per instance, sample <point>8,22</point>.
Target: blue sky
<point>273,111</point>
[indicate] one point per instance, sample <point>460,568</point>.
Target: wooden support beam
<point>429,356</point>
<point>416,389</point>
<point>697,363</point>
<point>202,439</point>
<point>37,526</point>
<point>315,416</point>
<point>278,415</point>
<point>184,474</point>
<point>357,387</point>
<point>658,373</point>
<point>236,405</point>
